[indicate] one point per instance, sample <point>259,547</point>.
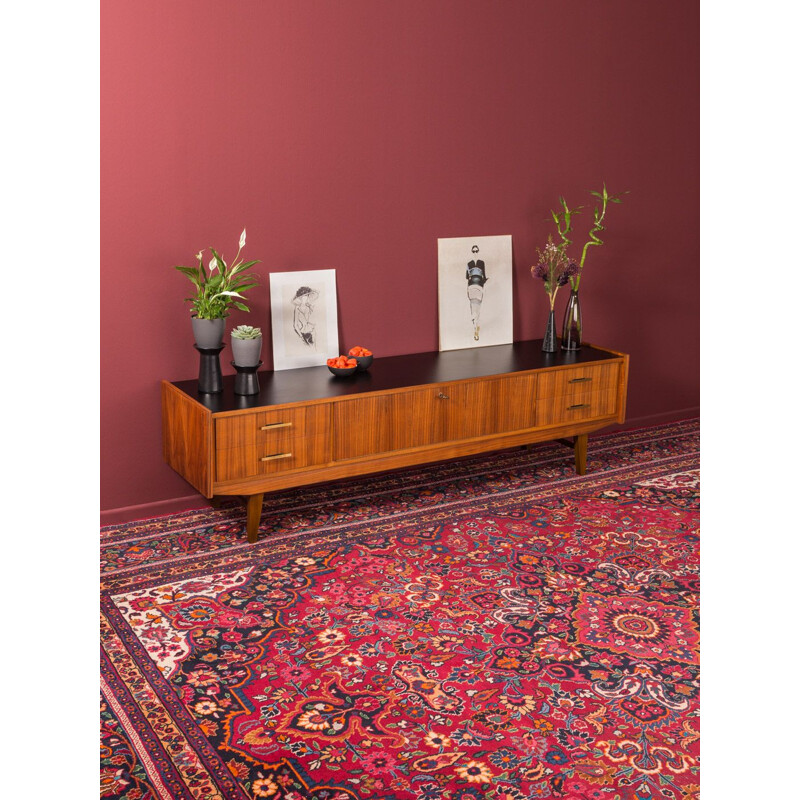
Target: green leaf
<point>238,287</point>
<point>191,273</point>
<point>240,306</point>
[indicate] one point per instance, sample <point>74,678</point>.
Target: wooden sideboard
<point>307,426</point>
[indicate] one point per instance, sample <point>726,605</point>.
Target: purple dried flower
<point>570,271</point>
<point>554,268</point>
<point>539,271</point>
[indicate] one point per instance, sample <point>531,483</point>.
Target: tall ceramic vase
<point>572,331</point>
<point>550,343</point>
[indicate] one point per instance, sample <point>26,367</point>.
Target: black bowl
<point>363,362</point>
<point>343,372</point>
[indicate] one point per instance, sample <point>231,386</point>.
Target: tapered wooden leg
<point>581,446</point>
<point>254,504</point>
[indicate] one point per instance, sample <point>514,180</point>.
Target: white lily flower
<point>200,256</point>
<point>228,294</point>
<point>213,265</point>
<point>242,238</point>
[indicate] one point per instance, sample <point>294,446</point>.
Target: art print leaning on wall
<point>475,301</point>
<point>305,331</point>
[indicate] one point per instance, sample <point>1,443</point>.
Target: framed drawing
<point>305,332</point>
<point>475,302</point>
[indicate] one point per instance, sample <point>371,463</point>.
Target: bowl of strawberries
<point>362,356</point>
<point>342,365</point>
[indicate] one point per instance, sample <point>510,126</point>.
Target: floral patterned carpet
<point>494,628</point>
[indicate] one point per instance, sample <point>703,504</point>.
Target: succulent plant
<point>245,332</point>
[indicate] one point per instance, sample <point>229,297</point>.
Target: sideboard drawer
<point>576,381</point>
<point>263,428</point>
<point>236,463</point>
<point>269,442</point>
<point>579,393</point>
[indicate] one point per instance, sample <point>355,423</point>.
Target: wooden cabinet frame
<point>308,427</point>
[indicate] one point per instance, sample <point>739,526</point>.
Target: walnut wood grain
<point>187,438</point>
<point>577,394</point>
<point>255,503</point>
<point>384,462</point>
<point>308,428</point>
<point>581,446</point>
<point>264,444</point>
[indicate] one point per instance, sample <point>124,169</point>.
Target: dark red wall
<point>350,135</point>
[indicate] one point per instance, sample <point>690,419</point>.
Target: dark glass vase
<point>550,342</point>
<point>572,332</point>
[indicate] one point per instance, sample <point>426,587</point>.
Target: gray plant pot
<point>208,333</point>
<point>246,352</point>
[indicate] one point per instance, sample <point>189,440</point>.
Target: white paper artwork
<point>475,301</point>
<point>305,332</point>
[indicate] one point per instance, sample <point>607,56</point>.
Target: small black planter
<point>210,380</point>
<point>246,379</point>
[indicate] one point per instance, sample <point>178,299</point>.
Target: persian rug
<point>493,628</point>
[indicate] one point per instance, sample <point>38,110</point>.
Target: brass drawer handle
<point>578,405</point>
<point>276,456</point>
<point>444,396</point>
<point>579,380</point>
<point>276,425</point>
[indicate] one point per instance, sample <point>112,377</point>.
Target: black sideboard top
<point>392,372</point>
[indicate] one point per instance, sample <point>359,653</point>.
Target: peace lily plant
<point>221,287</point>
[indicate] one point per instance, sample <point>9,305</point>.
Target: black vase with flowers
<point>555,269</point>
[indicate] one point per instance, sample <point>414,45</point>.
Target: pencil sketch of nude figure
<point>303,323</point>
